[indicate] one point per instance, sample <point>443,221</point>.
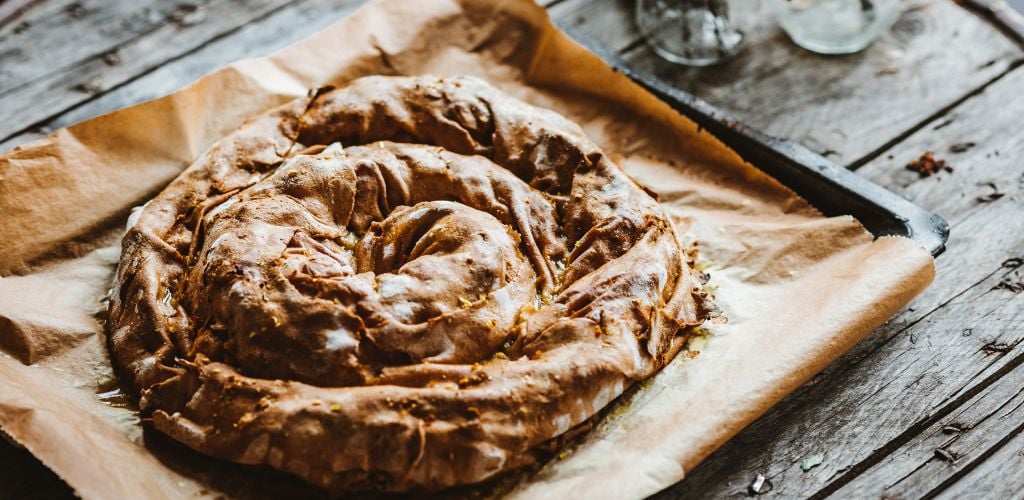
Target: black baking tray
<point>831,188</point>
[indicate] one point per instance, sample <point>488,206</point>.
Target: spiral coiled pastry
<point>400,284</point>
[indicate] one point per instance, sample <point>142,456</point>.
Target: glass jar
<point>836,26</point>
<point>692,32</point>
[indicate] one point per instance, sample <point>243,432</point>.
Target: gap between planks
<point>788,92</point>
<point>989,479</point>
<point>31,131</point>
<point>915,430</point>
<point>979,244</point>
<point>636,45</point>
<point>952,447</point>
<point>170,34</point>
<point>863,160</point>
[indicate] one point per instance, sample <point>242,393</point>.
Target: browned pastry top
<point>403,283</point>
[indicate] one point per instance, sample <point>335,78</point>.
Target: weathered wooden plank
<point>845,107</point>
<point>993,158</point>
<point>999,476</point>
<point>940,292</point>
<point>49,95</point>
<point>983,120</point>
<point>862,412</point>
<point>51,37</point>
<point>930,356</point>
<point>257,38</point>
<point>254,39</point>
<point>977,139</point>
<point>11,10</point>
<point>951,447</point>
<point>981,241</point>
<point>879,339</point>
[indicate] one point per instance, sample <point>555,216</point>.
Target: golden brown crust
<point>404,283</point>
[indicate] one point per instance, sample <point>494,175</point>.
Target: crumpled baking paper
<point>798,288</point>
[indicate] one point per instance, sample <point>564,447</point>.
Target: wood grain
<point>934,55</point>
<point>885,397</point>
<point>44,94</point>
<point>929,357</point>
<point>955,445</point>
<point>978,139</point>
<point>263,35</point>
<point>260,37</point>
<point>52,37</point>
<point>856,415</point>
<point>999,476</point>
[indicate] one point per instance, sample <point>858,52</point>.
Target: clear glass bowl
<point>691,32</point>
<point>836,26</point>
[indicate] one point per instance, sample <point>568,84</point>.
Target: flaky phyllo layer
<point>403,283</point>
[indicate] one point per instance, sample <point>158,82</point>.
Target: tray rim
<point>882,212</point>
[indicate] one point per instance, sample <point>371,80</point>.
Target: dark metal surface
<point>828,186</point>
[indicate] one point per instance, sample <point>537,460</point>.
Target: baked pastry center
<point>400,284</point>
<point>342,264</point>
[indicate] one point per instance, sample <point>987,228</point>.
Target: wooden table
<point>930,404</point>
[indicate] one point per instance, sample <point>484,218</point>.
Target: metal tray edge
<point>829,187</point>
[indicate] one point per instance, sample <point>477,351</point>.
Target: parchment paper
<point>798,288</point>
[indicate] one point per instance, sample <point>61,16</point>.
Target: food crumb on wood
<point>1014,284</point>
<point>990,197</point>
<point>186,14</point>
<point>87,88</point>
<point>75,10</point>
<point>996,348</point>
<point>1013,262</point>
<point>952,429</point>
<point>811,461</point>
<point>111,58</point>
<point>760,486</point>
<point>946,455</point>
<point>962,147</point>
<point>927,165</point>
